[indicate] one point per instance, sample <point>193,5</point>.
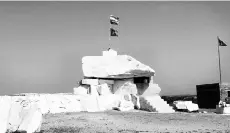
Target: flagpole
<point>109,33</point>
<point>219,60</point>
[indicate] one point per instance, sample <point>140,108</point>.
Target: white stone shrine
<point>121,75</point>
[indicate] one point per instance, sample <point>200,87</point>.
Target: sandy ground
<point>135,122</point>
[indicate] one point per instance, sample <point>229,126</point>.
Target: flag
<point>114,20</point>
<point>113,32</point>
<point>221,43</point>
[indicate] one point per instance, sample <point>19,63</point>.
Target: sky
<point>42,43</point>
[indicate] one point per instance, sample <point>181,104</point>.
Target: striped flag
<point>114,20</point>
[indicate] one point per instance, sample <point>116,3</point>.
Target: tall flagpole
<point>112,32</point>
<point>109,33</point>
<point>219,59</point>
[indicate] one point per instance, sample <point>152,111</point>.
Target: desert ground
<point>135,122</point>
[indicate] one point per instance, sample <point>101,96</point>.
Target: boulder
<point>126,103</point>
<point>192,107</point>
<point>32,120</point>
<point>104,89</point>
<point>81,90</point>
<point>120,66</point>
<point>186,105</point>
<point>126,86</point>
<point>55,103</point>
<point>72,103</point>
<point>5,105</point>
<point>93,90</point>
<point>108,102</point>
<point>15,114</point>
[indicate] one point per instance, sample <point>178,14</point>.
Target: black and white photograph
<point>115,66</point>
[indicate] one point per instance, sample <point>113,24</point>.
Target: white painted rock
<point>192,107</point>
<point>104,89</point>
<point>108,102</point>
<point>42,104</point>
<point>32,120</point>
<point>180,105</point>
<point>126,103</point>
<point>55,104</point>
<point>122,87</point>
<point>90,103</point>
<point>15,114</point>
<point>81,90</point>
<point>186,105</point>
<point>94,91</point>
<point>72,103</point>
<point>120,66</point>
<point>5,105</point>
<point>109,52</point>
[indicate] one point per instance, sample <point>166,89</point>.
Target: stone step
<point>157,104</point>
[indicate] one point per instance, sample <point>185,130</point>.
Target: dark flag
<point>113,32</point>
<point>221,43</point>
<point>114,20</point>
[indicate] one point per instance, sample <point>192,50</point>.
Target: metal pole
<point>219,60</point>
<point>109,32</point>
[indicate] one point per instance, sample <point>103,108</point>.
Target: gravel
<point>135,122</point>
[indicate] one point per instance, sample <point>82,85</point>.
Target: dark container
<point>208,95</point>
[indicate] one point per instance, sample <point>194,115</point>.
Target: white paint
<point>124,87</point>
<point>104,89</point>
<point>5,105</point>
<point>94,91</point>
<point>90,103</point>
<point>81,90</point>
<point>32,121</point>
<point>109,53</point>
<point>186,105</point>
<point>14,117</point>
<point>120,66</point>
<point>108,102</point>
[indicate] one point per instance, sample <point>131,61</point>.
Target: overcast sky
<point>42,43</point>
